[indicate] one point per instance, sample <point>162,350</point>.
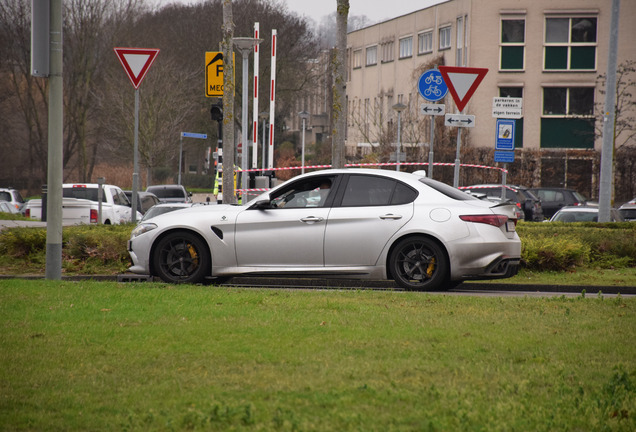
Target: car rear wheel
<point>418,264</point>
<point>181,257</point>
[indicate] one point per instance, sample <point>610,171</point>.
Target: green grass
<point>107,356</point>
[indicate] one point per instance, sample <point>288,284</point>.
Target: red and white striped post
<point>272,100</point>
<point>255,104</point>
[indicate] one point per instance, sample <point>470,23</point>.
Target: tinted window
<point>82,193</point>
<point>450,191</point>
<point>363,190</point>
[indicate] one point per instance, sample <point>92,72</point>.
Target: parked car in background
<point>553,199</point>
<point>170,193</point>
<point>160,209</point>
<point>583,214</point>
<point>628,211</point>
<point>367,224</point>
<point>12,196</point>
<point>527,202</point>
<point>8,207</point>
<point>145,200</point>
<point>80,205</point>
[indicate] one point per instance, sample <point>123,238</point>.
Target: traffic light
<point>217,111</point>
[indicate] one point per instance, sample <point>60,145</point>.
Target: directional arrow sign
<point>433,109</point>
<point>459,120</point>
<point>462,82</point>
<point>136,62</point>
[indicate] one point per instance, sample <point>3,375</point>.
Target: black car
<point>145,200</point>
<point>553,199</point>
<point>171,193</point>
<point>529,203</point>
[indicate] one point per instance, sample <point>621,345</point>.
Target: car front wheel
<point>181,257</point>
<point>418,264</point>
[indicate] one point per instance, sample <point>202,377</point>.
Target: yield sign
<point>136,62</point>
<point>462,82</point>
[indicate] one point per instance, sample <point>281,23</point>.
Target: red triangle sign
<point>462,82</point>
<point>136,62</point>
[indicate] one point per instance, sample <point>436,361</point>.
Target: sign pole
<point>180,157</point>
<point>135,179</point>
<point>430,148</point>
<point>456,174</point>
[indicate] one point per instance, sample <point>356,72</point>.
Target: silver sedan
<point>345,223</point>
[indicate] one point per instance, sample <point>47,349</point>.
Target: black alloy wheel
<point>418,264</point>
<point>181,257</point>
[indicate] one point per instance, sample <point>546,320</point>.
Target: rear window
<point>82,193</point>
<point>447,190</point>
<point>168,192</point>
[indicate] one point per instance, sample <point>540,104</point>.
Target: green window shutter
<point>567,133</point>
<point>556,57</point>
<point>512,57</point>
<point>583,58</point>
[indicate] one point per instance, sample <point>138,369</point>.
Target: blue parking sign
<point>431,85</point>
<point>505,134</point>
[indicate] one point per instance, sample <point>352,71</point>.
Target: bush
<point>561,246</point>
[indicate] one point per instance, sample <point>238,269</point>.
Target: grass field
<point>103,356</point>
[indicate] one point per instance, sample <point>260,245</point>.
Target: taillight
<point>27,213</point>
<point>93,216</point>
<point>494,220</point>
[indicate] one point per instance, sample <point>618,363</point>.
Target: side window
<point>363,190</point>
<point>116,199</point>
<point>311,192</point>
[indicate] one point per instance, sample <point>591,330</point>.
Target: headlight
<point>142,228</point>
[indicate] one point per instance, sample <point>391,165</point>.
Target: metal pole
<point>264,160</point>
<point>244,54</point>
<point>100,197</point>
<point>430,148</point>
<point>607,152</point>
<point>456,174</point>
<point>55,149</point>
<point>180,156</point>
<point>135,185</point>
<point>397,152</point>
<point>302,170</point>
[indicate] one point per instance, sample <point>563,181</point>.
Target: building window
<point>568,117</point>
<point>445,38</point>
<point>515,92</point>
<point>357,59</point>
<point>570,44</point>
<point>425,42</point>
<point>387,51</point>
<point>406,47</point>
<point>372,55</point>
<point>512,48</point>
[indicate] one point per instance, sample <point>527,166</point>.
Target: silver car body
<point>339,240</point>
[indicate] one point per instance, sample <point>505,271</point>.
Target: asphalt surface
<point>315,283</point>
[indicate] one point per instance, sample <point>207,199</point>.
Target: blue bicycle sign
<point>431,85</point>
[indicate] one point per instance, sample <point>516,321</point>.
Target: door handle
<point>391,216</point>
<point>311,219</point>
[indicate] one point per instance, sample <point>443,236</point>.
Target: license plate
<point>510,226</point>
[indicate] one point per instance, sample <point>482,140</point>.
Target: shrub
<point>554,253</point>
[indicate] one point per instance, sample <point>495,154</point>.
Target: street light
<point>303,115</point>
<point>264,116</point>
<point>245,45</point>
<point>399,107</point>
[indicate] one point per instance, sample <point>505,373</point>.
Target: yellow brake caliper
<point>193,254</point>
<point>430,268</point>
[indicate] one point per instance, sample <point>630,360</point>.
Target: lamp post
<point>303,115</point>
<point>245,45</point>
<point>399,107</point>
<point>264,116</point>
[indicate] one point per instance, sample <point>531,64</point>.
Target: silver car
<point>345,223</point>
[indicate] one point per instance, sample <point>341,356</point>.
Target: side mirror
<point>262,204</point>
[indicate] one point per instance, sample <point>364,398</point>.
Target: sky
<point>375,10</point>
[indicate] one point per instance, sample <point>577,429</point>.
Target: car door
<point>290,232</point>
<point>367,213</point>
